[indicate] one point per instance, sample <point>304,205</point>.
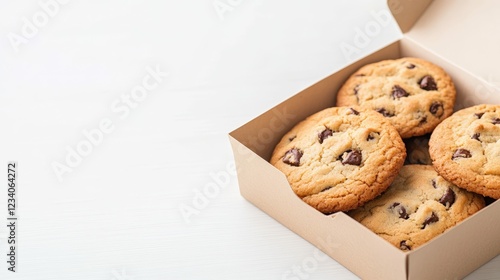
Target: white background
<point>117,214</point>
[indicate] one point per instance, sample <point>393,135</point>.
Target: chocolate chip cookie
<point>414,94</point>
<point>465,149</point>
<point>339,158</point>
<point>418,206</point>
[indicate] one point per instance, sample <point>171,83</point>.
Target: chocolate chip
<point>410,66</point>
<point>496,121</point>
<point>403,246</point>
<point>448,198</point>
<point>356,88</point>
<point>423,120</point>
<point>324,134</point>
<point>475,136</point>
<point>327,188</point>
<point>353,157</point>
<point>436,109</point>
<point>402,213</point>
<point>292,157</point>
<point>478,115</point>
<point>428,83</point>
<point>434,183</point>
<point>384,112</point>
<point>401,210</point>
<point>432,219</point>
<point>398,92</point>
<point>371,136</point>
<point>461,153</point>
<point>292,138</point>
<point>354,112</point>
<point>394,205</point>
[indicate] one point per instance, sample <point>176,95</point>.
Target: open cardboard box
<point>461,37</point>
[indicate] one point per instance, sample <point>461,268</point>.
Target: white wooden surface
<point>118,213</point>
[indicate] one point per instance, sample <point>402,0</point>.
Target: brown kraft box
<point>459,36</point>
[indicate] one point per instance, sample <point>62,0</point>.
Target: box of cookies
<point>391,165</point>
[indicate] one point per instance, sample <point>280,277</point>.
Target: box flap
<point>464,32</point>
<point>407,12</point>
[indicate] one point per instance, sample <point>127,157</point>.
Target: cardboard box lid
<point>464,32</point>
